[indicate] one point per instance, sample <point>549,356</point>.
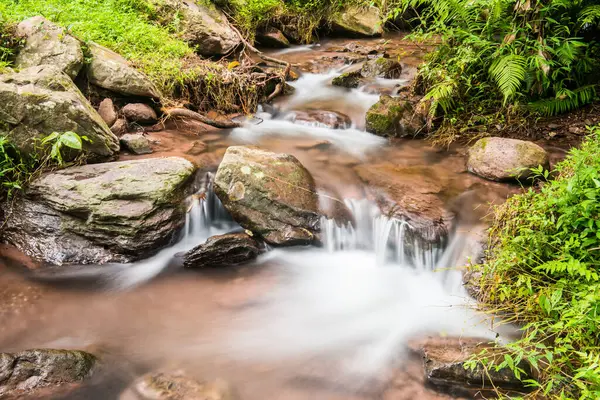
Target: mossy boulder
<point>41,100</point>
<point>503,159</point>
<point>110,71</point>
<point>112,212</point>
<point>270,194</point>
<point>350,79</point>
<point>395,117</point>
<point>29,370</point>
<point>48,44</point>
<point>381,67</point>
<point>358,22</point>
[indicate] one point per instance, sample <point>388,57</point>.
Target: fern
<point>509,73</point>
<point>565,101</point>
<point>590,15</point>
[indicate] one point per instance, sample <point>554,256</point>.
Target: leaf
<point>50,137</point>
<point>233,65</point>
<point>509,73</point>
<point>71,139</point>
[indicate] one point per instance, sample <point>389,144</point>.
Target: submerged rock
<point>48,44</point>
<point>177,386</point>
<point>38,101</point>
<point>111,71</point>
<point>352,78</point>
<point>358,22</point>
<point>113,212</point>
<point>273,38</point>
<point>106,109</point>
<point>136,143</point>
<point>270,194</point>
<point>140,113</point>
<point>223,251</point>
<point>502,159</point>
<point>321,118</point>
<point>34,369</point>
<point>395,117</point>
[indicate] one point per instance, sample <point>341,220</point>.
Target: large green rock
<point>109,70</point>
<point>48,44</point>
<point>503,159</point>
<point>270,194</point>
<point>41,100</point>
<point>395,117</point>
<point>358,22</point>
<point>34,369</point>
<point>98,213</point>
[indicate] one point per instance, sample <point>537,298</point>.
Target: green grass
<point>543,272</point>
<point>128,27</point>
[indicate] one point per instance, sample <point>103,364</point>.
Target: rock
<point>223,251</point>
<point>33,369</point>
<point>136,143</point>
<point>48,44</point>
<point>273,38</point>
<point>381,68</point>
<point>106,109</point>
<point>140,113</point>
<point>111,71</point>
<point>270,194</point>
<point>41,100</point>
<point>94,214</point>
<point>501,159</point>
<point>444,360</point>
<point>349,79</point>
<point>205,27</point>
<point>411,194</point>
<point>395,117</point>
<point>120,127</point>
<point>177,386</point>
<point>321,118</point>
<point>358,22</point>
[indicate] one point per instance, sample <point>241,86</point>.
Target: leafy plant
<point>61,142</point>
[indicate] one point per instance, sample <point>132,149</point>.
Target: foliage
<point>8,43</point>
<point>543,271</point>
<point>538,56</point>
<point>14,168</point>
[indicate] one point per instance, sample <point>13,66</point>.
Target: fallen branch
<point>276,92</point>
<point>185,113</point>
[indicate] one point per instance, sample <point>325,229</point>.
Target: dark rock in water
<point>321,118</point>
<point>273,38</point>
<point>270,194</point>
<point>444,363</point>
<point>106,109</point>
<point>94,214</point>
<point>38,101</point>
<point>140,113</point>
<point>111,71</point>
<point>352,78</point>
<point>136,143</point>
<point>48,44</point>
<point>354,47</point>
<point>34,369</point>
<point>410,194</point>
<point>503,159</point>
<point>395,117</point>
<point>223,251</point>
<point>381,68</point>
<point>358,22</point>
<point>177,386</point>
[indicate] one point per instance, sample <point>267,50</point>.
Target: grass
<point>543,272</point>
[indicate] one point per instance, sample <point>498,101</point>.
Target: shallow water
<point>319,323</point>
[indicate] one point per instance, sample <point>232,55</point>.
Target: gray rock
<point>106,109</point>
<point>109,70</point>
<point>381,68</point>
<point>273,38</point>
<point>502,159</point>
<point>34,369</point>
<point>41,100</point>
<point>177,385</point>
<point>48,44</point>
<point>112,212</point>
<point>223,251</point>
<point>270,194</point>
<point>120,127</point>
<point>140,113</point>
<point>358,22</point>
<point>136,143</point>
<point>395,117</point>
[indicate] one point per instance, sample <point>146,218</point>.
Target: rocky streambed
<point>305,254</point>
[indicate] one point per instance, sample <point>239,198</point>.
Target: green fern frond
<point>565,101</point>
<point>590,15</point>
<point>509,73</point>
<point>441,95</point>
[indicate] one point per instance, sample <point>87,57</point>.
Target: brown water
<point>298,324</point>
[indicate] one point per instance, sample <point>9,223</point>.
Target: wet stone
<point>223,251</point>
<point>136,143</point>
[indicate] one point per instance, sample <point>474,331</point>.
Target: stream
<point>330,322</point>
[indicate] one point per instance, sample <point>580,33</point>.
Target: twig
<point>276,92</point>
<point>185,113</point>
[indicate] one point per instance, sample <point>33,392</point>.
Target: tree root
<point>185,113</point>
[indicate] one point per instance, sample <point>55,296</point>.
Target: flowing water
<point>329,322</point>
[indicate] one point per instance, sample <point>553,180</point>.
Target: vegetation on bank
<point>543,271</point>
